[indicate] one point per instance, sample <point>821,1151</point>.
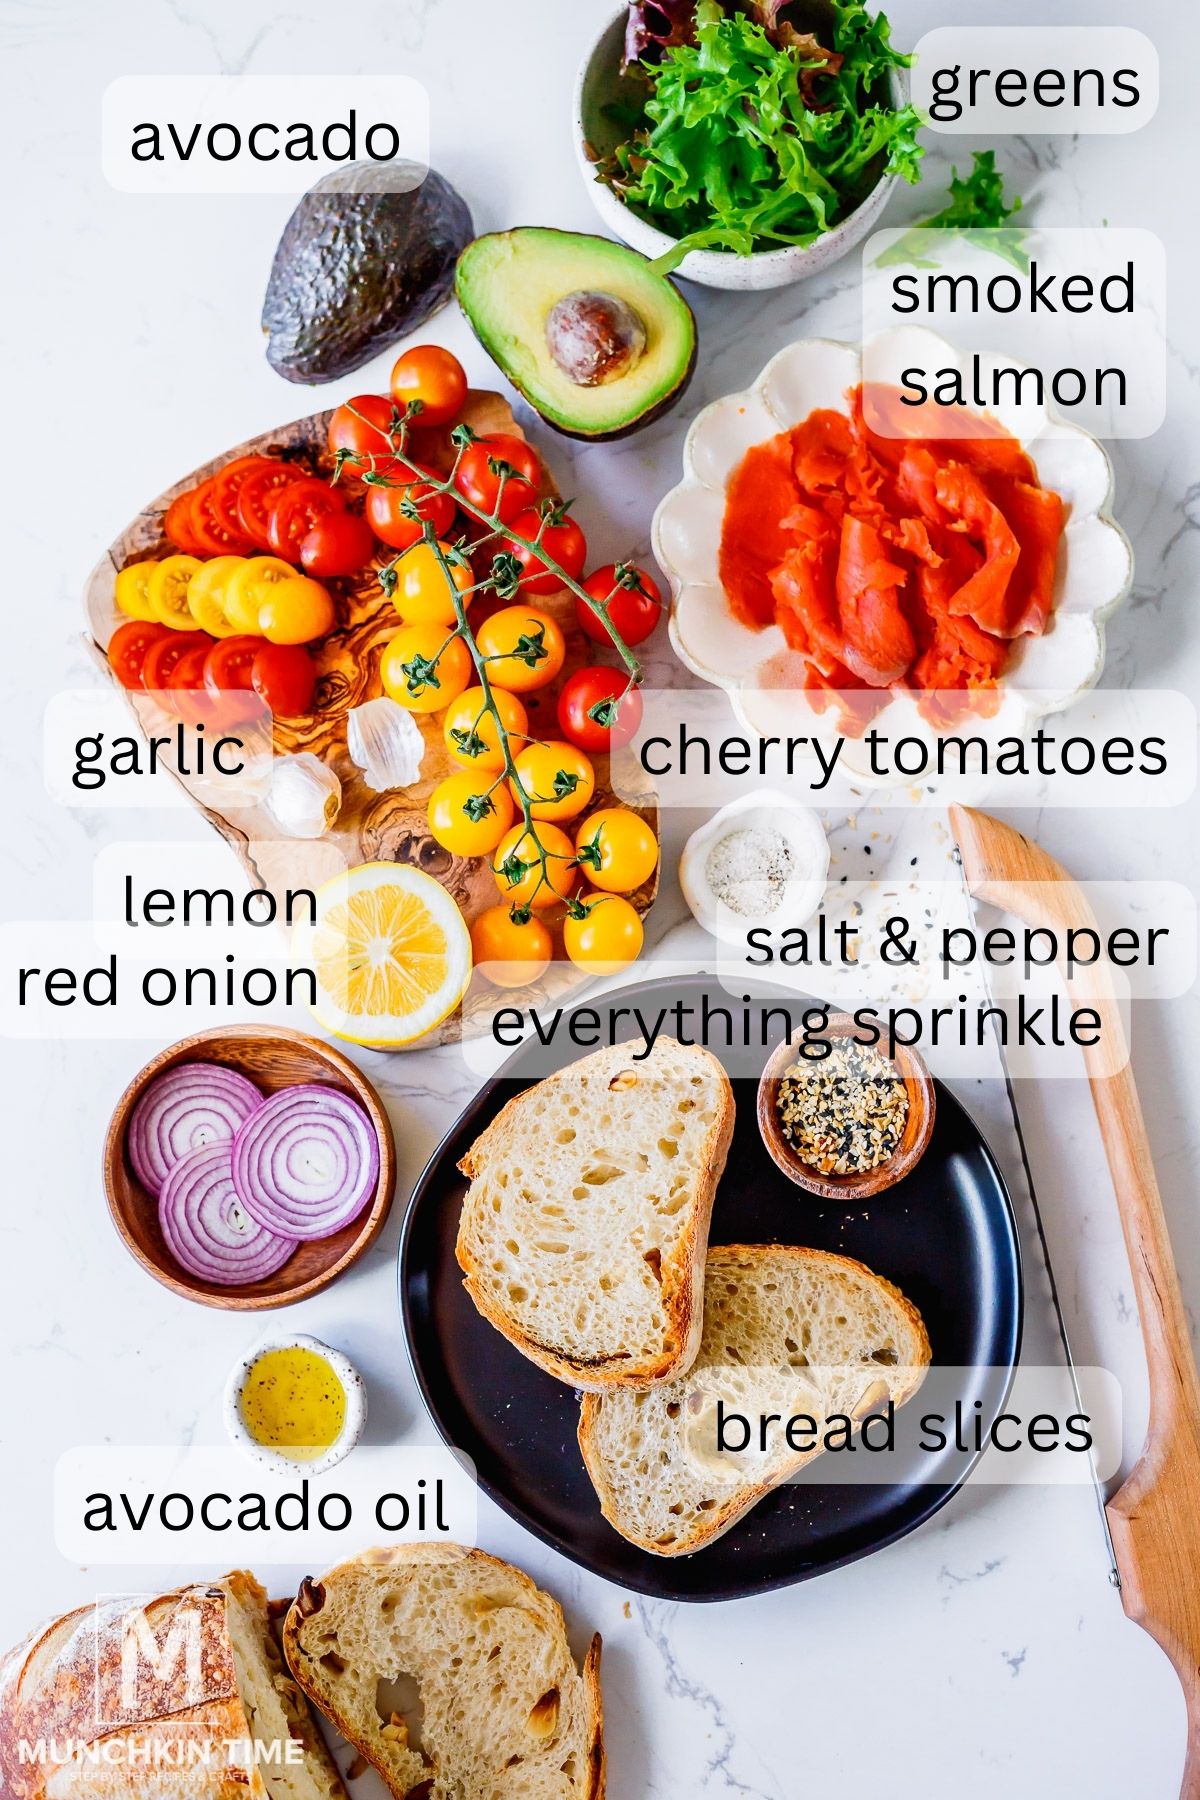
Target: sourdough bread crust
<point>739,1504</point>
<point>411,1558</point>
<point>682,1271</point>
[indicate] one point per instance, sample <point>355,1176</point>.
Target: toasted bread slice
<point>451,1673</point>
<point>584,1229</point>
<point>786,1331</point>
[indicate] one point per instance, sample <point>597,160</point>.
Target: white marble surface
<point>986,1653</point>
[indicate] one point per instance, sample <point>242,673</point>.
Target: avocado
<point>365,258</point>
<point>585,329</point>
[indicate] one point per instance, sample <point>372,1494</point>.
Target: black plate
<point>946,1236</point>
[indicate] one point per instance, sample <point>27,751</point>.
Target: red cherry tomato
<point>634,603</point>
<point>128,648</point>
<point>435,378</point>
<point>362,427</point>
<point>162,657</point>
<point>561,539</point>
<point>285,676</point>
<point>256,494</point>
<point>478,481</point>
<point>295,510</point>
<point>388,521</point>
<point>592,692</point>
<point>338,544</point>
<point>213,537</point>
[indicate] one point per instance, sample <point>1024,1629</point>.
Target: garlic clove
<point>305,796</point>
<point>385,742</point>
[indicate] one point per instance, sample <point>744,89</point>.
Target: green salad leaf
<point>750,143</point>
<point>977,202</point>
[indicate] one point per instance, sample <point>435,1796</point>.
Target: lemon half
<point>390,951</point>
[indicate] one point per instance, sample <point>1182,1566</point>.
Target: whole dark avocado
<point>365,258</point>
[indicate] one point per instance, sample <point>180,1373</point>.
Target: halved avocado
<point>584,328</point>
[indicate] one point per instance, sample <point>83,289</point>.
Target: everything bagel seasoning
<point>845,1114</point>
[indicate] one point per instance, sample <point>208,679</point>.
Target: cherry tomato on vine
<point>469,730</point>
<point>390,521</point>
<point>256,494</point>
<point>295,510</point>
<point>634,603</point>
<point>285,677</point>
<point>517,867</point>
<point>483,485</point>
<point>558,536</point>
<point>510,952</point>
<point>616,849</point>
<point>467,815</point>
<point>362,427</point>
<point>594,704</point>
<point>129,646</point>
<point>424,669</point>
<point>527,647</point>
<point>558,780</point>
<point>422,595</point>
<point>433,376</point>
<point>337,544</point>
<point>603,935</point>
<point>162,656</point>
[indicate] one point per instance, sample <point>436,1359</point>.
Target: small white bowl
<point>352,1425</point>
<point>600,82</point>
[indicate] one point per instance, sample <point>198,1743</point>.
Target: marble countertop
<point>985,1653</point>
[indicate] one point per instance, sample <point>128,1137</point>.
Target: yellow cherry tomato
<point>557,778</point>
<point>422,595</point>
<point>132,592</point>
<point>467,816</point>
<point>617,850</point>
<point>248,586</point>
<point>424,669</point>
<point>517,867</point>
<point>527,645</point>
<point>510,952</point>
<point>296,612</point>
<point>604,935</point>
<point>206,595</point>
<point>167,591</point>
<point>469,729</point>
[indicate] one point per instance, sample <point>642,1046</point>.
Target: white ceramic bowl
<point>598,83</point>
<point>1047,673</point>
<point>352,1424</point>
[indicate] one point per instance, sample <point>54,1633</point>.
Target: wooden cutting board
<point>371,827</point>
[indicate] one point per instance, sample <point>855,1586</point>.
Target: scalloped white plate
<point>762,676</point>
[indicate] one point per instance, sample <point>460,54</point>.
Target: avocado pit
<point>594,337</point>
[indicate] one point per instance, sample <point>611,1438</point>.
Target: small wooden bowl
<point>272,1059</point>
<point>918,1127</point>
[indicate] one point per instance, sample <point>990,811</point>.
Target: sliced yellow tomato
<point>249,586</point>
<point>296,612</point>
<point>390,953</point>
<point>206,595</point>
<point>167,591</point>
<point>133,589</point>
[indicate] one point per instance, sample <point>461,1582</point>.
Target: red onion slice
<point>185,1108</point>
<point>206,1228</point>
<point>306,1163</point>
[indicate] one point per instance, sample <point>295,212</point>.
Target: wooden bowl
<point>272,1059</point>
<point>918,1127</point>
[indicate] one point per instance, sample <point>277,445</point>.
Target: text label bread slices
<point>786,1330</point>
<point>451,1673</point>
<point>584,1229</point>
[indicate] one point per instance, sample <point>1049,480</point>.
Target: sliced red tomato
<point>163,656</point>
<point>227,485</point>
<point>295,510</point>
<point>256,491</point>
<point>338,544</point>
<point>177,525</point>
<point>129,646</point>
<point>208,528</point>
<point>189,697</point>
<point>285,676</point>
<point>228,664</point>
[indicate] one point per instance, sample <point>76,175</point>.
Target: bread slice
<point>185,1727</point>
<point>584,1228</point>
<point>451,1673</point>
<point>787,1331</point>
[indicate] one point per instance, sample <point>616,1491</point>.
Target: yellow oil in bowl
<point>292,1401</point>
